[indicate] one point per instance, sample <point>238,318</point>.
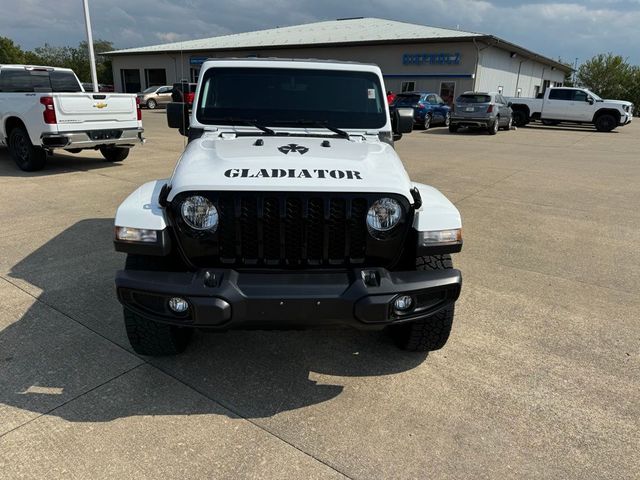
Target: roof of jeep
<point>284,59</point>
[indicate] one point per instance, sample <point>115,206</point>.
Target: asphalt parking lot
<point>540,378</point>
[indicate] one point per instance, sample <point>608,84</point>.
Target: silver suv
<point>154,96</point>
<point>481,110</point>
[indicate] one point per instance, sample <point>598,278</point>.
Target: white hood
<point>289,163</point>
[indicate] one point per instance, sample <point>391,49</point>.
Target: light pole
<point>92,57</point>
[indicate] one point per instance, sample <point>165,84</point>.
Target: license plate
<point>469,109</point>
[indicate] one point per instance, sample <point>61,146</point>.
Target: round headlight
<point>384,214</point>
<point>200,213</point>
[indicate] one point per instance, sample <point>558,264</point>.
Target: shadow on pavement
<point>46,359</point>
<point>59,162</point>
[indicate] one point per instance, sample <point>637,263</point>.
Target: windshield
<point>291,97</point>
<point>473,99</point>
<point>150,90</point>
<point>595,97</point>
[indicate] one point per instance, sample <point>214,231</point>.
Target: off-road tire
<point>432,333</point>
<point>151,104</point>
<point>494,127</point>
<point>453,128</point>
<point>27,156</point>
<point>606,123</point>
<point>114,154</point>
<point>155,339</point>
<point>519,118</point>
<point>146,336</point>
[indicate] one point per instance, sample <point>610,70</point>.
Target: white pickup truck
<point>573,105</point>
<point>44,108</point>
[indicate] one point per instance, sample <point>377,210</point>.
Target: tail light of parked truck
<point>189,97</point>
<point>138,109</point>
<point>49,113</point>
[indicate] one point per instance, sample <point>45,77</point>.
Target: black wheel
<point>432,333</point>
<point>509,124</point>
<point>151,104</point>
<point>146,336</point>
<point>494,127</point>
<point>27,156</point>
<point>152,338</point>
<point>453,128</point>
<point>427,121</point>
<point>605,123</point>
<point>519,118</point>
<point>447,119</point>
<point>114,154</point>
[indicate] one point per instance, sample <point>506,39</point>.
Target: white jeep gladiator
<point>288,207</point>
<point>572,105</point>
<point>46,108</point>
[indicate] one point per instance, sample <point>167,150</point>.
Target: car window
<point>406,100</point>
<point>471,98</point>
<point>560,94</point>
<point>579,96</point>
<point>432,99</point>
<point>64,82</point>
<point>17,80</point>
<point>439,99</point>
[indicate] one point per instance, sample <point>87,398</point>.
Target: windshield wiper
<point>314,123</point>
<point>243,121</point>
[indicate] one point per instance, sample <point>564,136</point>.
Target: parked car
<point>281,218</point>
<point>574,105</point>
<point>428,108</point>
<point>183,92</point>
<point>154,96</point>
<point>88,87</point>
<point>481,110</point>
<point>45,108</point>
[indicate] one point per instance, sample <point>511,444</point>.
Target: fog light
<point>403,304</point>
<point>178,305</point>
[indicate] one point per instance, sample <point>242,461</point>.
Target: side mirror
<point>509,104</point>
<point>403,120</point>
<point>590,100</point>
<point>178,116</point>
<point>397,136</point>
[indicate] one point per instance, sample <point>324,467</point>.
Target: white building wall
<point>497,68</point>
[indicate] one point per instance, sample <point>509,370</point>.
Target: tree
<point>10,52</point>
<point>608,75</point>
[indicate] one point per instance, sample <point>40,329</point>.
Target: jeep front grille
<point>289,229</point>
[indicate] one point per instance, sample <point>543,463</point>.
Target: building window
<point>195,73</point>
<point>536,91</point>
<point>408,86</point>
<point>448,92</point>
<point>545,85</point>
<point>155,77</point>
<point>130,80</point>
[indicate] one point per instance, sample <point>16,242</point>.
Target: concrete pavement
<point>540,379</point>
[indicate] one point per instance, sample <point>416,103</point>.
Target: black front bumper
<point>225,299</point>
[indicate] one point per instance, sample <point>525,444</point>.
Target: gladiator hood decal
<point>214,162</point>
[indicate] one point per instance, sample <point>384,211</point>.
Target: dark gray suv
<point>490,111</point>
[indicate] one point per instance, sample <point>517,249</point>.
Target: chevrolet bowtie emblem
<point>293,147</point>
<point>100,105</point>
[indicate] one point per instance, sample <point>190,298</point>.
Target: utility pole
<point>575,71</point>
<point>92,57</point>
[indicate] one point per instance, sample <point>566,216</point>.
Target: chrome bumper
<point>128,137</point>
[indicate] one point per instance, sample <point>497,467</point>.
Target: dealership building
<point>412,57</point>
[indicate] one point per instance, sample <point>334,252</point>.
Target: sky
<point>566,30</point>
